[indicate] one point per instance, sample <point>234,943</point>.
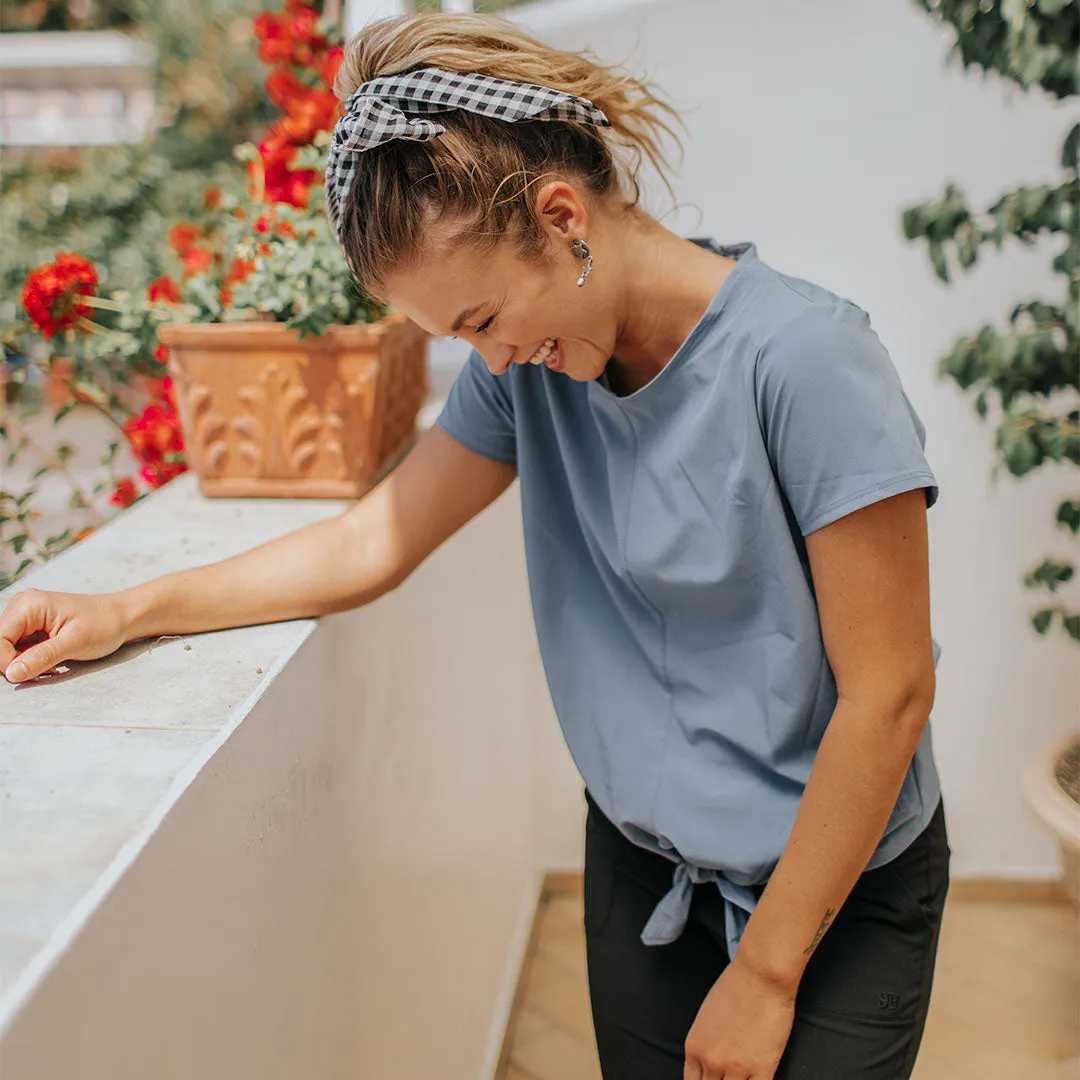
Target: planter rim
<point>1048,799</point>
<point>271,335</point>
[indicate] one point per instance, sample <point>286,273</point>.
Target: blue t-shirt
<point>669,578</point>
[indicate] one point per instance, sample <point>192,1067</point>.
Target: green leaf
<point>1072,626</point>
<point>64,410</point>
<point>1068,514</point>
<point>18,542</point>
<point>937,258</point>
<point>78,501</point>
<point>1041,620</point>
<point>1049,574</point>
<point>1070,150</point>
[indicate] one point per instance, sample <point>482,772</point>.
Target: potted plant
<point>1028,369</point>
<point>289,381</point>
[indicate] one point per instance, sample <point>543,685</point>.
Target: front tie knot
<point>668,919</point>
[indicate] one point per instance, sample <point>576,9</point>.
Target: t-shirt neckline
<point>743,252</point>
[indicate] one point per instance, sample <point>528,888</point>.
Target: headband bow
<point>387,108</point>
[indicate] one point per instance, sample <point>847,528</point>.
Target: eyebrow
<point>463,316</point>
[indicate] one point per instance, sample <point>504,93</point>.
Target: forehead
<point>450,276</point>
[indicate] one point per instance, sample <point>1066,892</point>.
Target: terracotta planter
<point>268,413</point>
<point>1058,811</point>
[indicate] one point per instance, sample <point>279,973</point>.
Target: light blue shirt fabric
<point>670,584</point>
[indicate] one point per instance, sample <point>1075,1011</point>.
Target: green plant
<point>114,204</point>
<point>254,245</point>
<point>1029,368</point>
<point>246,257</point>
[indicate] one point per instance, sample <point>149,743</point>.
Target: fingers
<point>25,618</point>
<point>37,660</point>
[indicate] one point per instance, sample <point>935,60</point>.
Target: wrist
<point>138,609</point>
<point>781,978</point>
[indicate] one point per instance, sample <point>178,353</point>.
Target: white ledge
<point>91,760</point>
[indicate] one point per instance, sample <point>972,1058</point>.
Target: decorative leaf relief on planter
<point>359,374</point>
<point>204,427</point>
<point>283,432</point>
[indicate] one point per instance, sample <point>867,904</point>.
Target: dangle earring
<point>581,250</point>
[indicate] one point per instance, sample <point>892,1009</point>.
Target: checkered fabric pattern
<point>394,108</point>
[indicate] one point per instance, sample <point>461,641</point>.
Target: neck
<point>668,284</point>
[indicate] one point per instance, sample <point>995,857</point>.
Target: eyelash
<point>485,325</point>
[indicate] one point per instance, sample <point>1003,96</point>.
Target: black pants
<point>862,1002</point>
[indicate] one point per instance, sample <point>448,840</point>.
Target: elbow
<point>912,697</point>
<point>900,698</point>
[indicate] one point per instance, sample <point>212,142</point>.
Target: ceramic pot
<point>1058,811</point>
<point>268,413</point>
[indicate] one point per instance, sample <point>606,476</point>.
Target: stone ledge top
<point>92,759</point>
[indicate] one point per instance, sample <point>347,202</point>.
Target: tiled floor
<point>1005,1006</point>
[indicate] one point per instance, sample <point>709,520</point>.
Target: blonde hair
<point>481,170</point>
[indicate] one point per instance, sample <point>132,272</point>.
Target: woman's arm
<point>327,566</point>
<point>871,578</point>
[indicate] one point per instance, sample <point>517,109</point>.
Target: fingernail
<point>16,671</point>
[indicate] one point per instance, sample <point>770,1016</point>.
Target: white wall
<point>342,885</point>
<point>811,127</point>
<point>359,12</point>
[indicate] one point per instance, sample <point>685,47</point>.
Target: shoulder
<point>823,344</point>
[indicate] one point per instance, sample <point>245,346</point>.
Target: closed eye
<point>485,325</point>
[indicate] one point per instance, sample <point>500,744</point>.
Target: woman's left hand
<point>741,1028</point>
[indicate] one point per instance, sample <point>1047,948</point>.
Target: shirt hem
<point>883,490</point>
<point>475,447</point>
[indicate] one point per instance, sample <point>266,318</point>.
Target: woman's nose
<point>496,357</point>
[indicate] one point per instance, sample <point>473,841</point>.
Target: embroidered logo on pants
<point>888,1000</point>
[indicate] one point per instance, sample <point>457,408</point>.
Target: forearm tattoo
<point>829,913</point>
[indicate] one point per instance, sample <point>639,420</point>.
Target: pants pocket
<point>601,859</point>
<point>920,873</point>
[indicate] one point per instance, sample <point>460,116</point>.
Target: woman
<point>724,499</point>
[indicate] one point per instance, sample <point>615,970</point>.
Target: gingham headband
<point>385,109</point>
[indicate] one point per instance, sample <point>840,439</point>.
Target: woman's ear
<point>562,212</point>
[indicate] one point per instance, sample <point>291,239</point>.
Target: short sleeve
<point>479,412</point>
<point>839,429</point>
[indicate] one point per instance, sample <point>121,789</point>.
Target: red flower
<point>163,288</point>
<point>158,473</point>
<point>51,293</point>
<point>239,270</point>
<point>305,34</point>
<point>308,115</point>
<point>275,45</point>
<point>161,354</point>
<point>282,184</point>
<point>262,224</point>
<point>283,86</point>
<point>197,260</point>
<point>286,229</point>
<point>291,37</point>
<point>212,198</point>
<point>156,437</point>
<point>124,493</point>
<point>183,236</point>
<point>329,64</point>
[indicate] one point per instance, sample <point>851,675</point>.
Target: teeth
<point>544,352</point>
